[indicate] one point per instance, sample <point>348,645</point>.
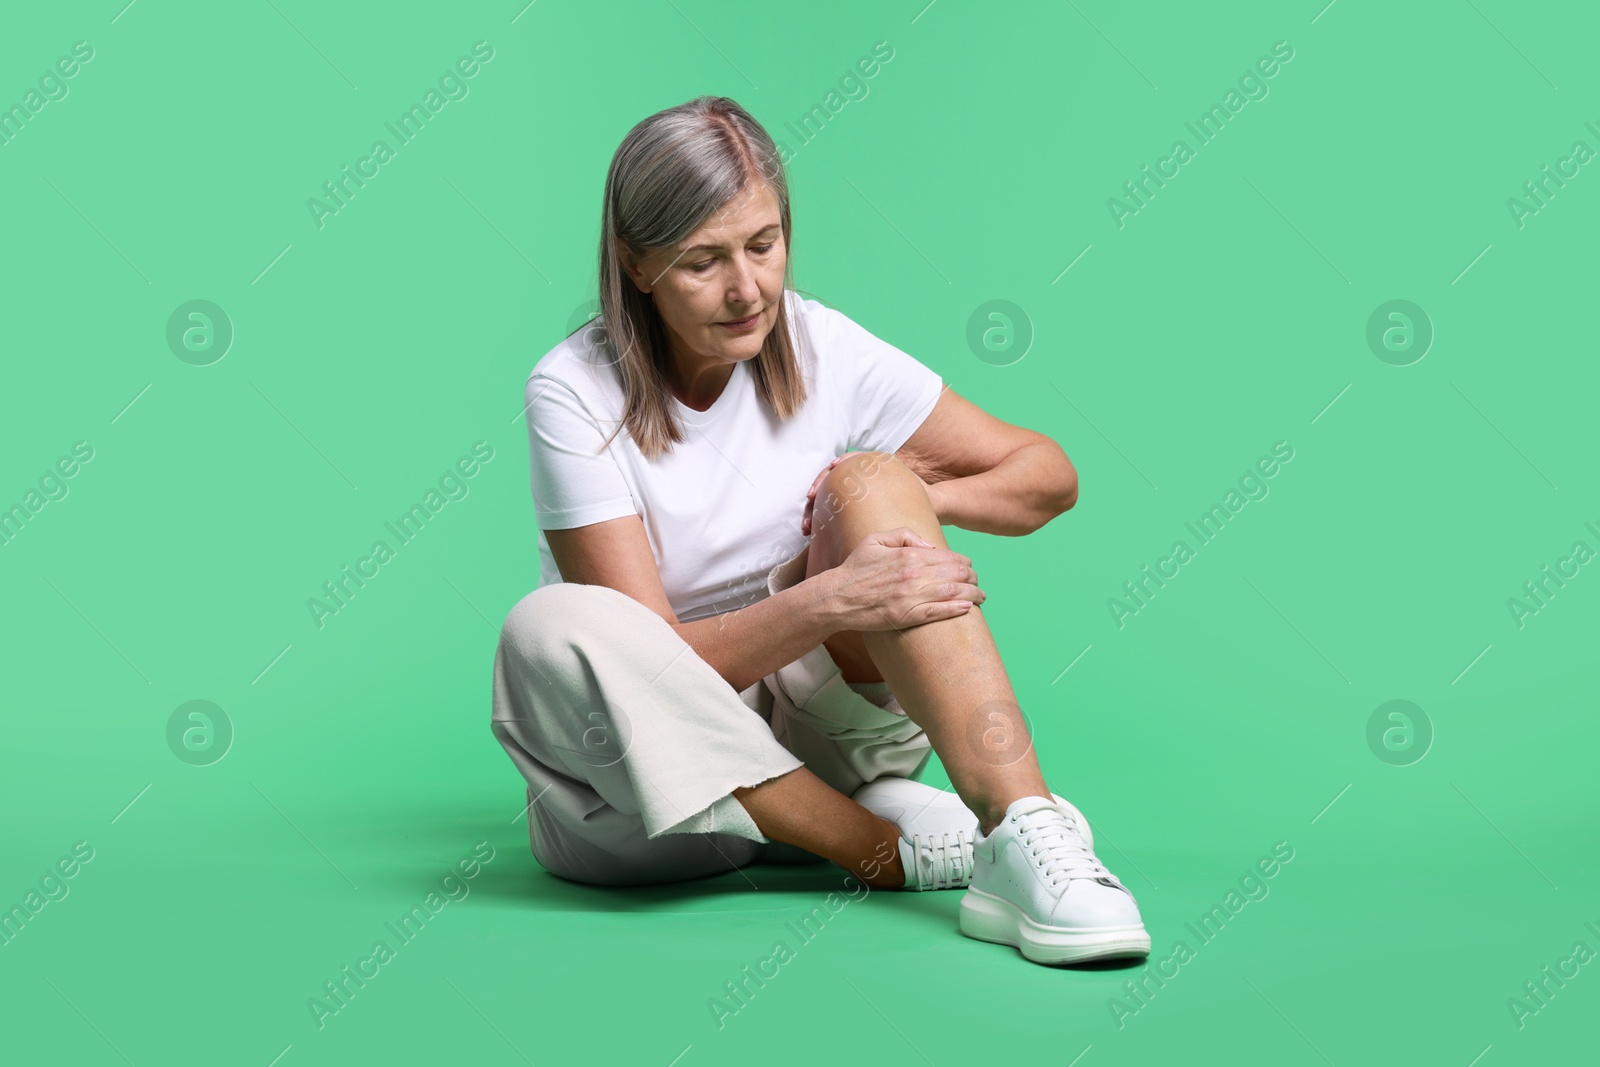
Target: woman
<point>750,634</point>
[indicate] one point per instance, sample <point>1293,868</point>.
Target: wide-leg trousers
<point>632,745</point>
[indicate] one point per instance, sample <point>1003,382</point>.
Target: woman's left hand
<point>811,494</point>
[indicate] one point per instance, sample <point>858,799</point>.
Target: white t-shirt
<point>723,507</point>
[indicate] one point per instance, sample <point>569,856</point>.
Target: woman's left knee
<point>867,474</point>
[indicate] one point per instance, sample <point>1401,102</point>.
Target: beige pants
<point>632,744</point>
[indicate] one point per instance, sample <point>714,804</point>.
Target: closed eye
<point>704,265</point>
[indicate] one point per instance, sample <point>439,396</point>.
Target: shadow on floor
<point>436,840</point>
<point>517,883</point>
<point>754,888</point>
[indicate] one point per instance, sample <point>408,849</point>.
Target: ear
<point>631,265</point>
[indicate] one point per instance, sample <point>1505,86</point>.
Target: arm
<point>743,646</point>
<point>987,475</point>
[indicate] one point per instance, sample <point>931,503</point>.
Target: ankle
<point>883,869</point>
<point>990,816</point>
<point>993,812</point>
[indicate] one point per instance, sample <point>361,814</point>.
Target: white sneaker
<point>1037,885</point>
<point>937,830</point>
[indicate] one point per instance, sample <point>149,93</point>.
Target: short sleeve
<point>887,392</point>
<point>575,481</point>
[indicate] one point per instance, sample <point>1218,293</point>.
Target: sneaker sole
<point>987,917</point>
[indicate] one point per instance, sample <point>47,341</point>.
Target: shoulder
<point>579,364</point>
<point>814,316</point>
<point>856,354</point>
<point>827,332</point>
<point>839,331</point>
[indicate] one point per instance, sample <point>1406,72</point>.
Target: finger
<point>816,482</point>
<point>899,537</point>
<point>902,537</point>
<point>832,464</point>
<point>949,593</point>
<point>961,572</point>
<point>964,575</point>
<point>944,609</point>
<point>951,563</point>
<point>964,591</point>
<point>915,538</point>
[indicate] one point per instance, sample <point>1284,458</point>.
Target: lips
<point>741,322</point>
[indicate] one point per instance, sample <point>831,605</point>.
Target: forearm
<point>746,645</point>
<point>1014,497</point>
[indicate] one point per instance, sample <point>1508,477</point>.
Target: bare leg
<point>947,675</point>
<point>801,809</point>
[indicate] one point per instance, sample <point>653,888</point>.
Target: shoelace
<point>1053,840</point>
<point>943,862</point>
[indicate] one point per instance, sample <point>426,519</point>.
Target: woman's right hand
<point>895,580</point>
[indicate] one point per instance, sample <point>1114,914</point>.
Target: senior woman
<point>750,635</point>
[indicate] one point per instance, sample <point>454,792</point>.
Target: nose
<point>742,289</point>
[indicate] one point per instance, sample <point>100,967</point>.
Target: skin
<point>694,288</point>
<point>882,591</point>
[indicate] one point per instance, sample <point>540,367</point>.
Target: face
<point>731,268</point>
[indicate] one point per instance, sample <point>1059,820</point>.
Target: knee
<point>548,621</point>
<point>868,475</point>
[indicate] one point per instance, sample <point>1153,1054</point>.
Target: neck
<point>700,387</point>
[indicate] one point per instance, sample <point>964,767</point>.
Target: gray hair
<point>669,175</point>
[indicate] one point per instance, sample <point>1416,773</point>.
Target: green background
<point>1228,715</point>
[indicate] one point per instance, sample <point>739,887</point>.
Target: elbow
<point>1064,493</point>
<point>1048,515</point>
<point>1066,483</point>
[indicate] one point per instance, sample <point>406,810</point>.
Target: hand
<point>895,580</point>
<point>811,495</point>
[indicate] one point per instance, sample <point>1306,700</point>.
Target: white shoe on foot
<point>1037,885</point>
<point>937,830</point>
